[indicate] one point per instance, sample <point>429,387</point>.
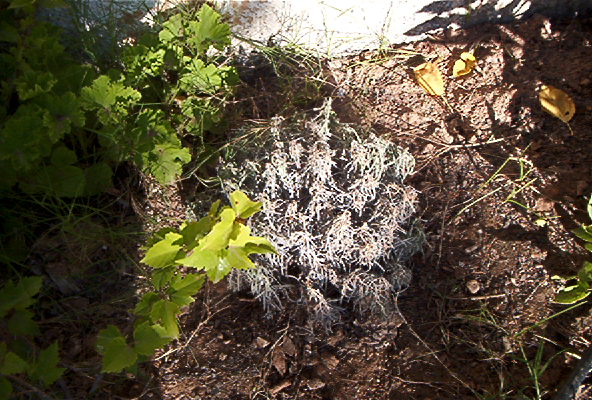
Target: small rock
<point>428,149</point>
<point>473,286</point>
<point>390,64</point>
<point>315,384</point>
<point>544,205</point>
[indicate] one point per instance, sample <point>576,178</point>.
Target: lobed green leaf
<point>148,338</point>
<point>243,206</point>
<point>166,312</point>
<point>165,252</point>
<point>117,355</point>
<point>45,369</point>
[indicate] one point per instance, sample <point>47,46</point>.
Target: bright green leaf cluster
<point>170,87</point>
<point>175,68</point>
<point>215,244</point>
<point>577,287</point>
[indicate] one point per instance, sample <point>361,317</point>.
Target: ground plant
<point>17,356</point>
<point>577,287</point>
<point>216,244</point>
<point>336,206</point>
<point>66,126</point>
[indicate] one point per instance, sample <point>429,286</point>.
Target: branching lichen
<point>337,209</point>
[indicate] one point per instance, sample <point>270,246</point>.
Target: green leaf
<point>166,162</point>
<point>58,180</point>
<point>589,207</point>
<point>588,246</point>
<point>21,323</point>
<point>572,294</point>
<point>243,206</point>
<point>117,355</point>
<point>62,155</point>
<point>214,209</point>
<point>219,236</point>
<point>144,306</point>
<point>208,31</point>
<point>183,289</point>
<point>193,231</point>
<point>21,3</point>
<point>166,312</point>
<point>105,93</point>
<point>235,257</point>
<point>5,388</point>
<point>201,78</point>
<point>171,29</point>
<point>46,368</point>
<point>24,139</point>
<point>97,178</point>
<point>162,276</point>
<point>223,268</point>
<point>112,99</point>
<point>163,253</point>
<point>241,237</point>
<point>585,273</point>
<point>148,338</point>
<point>62,113</point>
<point>582,233</point>
<point>201,259</point>
<point>34,83</point>
<point>19,296</point>
<point>13,364</point>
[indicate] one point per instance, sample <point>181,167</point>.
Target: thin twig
<point>486,297</point>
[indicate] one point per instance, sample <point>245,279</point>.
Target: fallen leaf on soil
<point>261,343</point>
<point>464,65</point>
<point>278,359</point>
<point>429,77</point>
<point>288,347</point>
<point>557,103</point>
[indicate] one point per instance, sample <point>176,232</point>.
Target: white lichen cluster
<point>337,209</point>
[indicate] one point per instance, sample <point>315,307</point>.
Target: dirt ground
<point>485,275</point>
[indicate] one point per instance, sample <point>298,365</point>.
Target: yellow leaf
<point>464,65</point>
<point>557,103</point>
<point>430,78</point>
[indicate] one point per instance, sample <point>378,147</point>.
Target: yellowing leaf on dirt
<point>464,65</point>
<point>557,103</point>
<point>430,78</point>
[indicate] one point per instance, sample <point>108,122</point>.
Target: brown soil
<point>485,275</point>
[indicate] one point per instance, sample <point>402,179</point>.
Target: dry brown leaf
<point>428,75</point>
<point>464,65</point>
<point>278,359</point>
<point>557,103</point>
<point>288,347</point>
